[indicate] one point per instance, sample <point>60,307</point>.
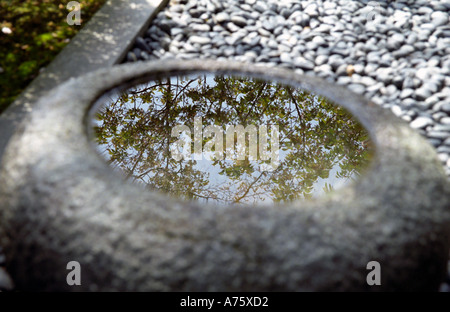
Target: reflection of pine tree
<point>135,134</point>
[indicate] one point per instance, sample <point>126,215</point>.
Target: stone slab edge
<point>103,42</point>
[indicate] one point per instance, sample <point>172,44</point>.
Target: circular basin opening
<point>230,139</point>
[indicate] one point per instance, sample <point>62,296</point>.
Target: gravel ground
<point>396,53</point>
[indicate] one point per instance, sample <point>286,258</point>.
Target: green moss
<point>39,31</point>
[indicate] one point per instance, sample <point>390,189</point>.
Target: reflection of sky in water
<point>217,181</point>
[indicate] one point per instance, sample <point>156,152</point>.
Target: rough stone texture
<point>61,202</point>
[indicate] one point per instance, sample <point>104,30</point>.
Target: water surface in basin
<point>229,139</point>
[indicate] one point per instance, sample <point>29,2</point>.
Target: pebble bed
<point>396,53</point>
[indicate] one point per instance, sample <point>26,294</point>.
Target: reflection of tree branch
<point>182,89</point>
<point>248,189</point>
<point>148,171</point>
<point>138,160</point>
<point>148,88</point>
<point>202,196</point>
<point>271,99</point>
<point>260,91</point>
<point>300,115</point>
